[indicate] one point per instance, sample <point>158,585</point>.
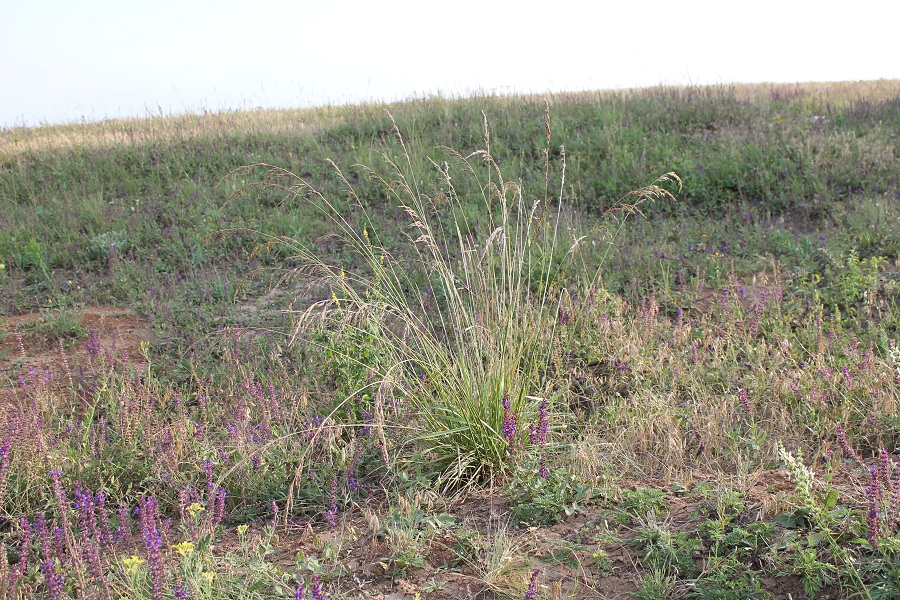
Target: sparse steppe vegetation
<point>438,348</point>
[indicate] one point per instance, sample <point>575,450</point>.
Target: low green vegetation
<point>636,343</point>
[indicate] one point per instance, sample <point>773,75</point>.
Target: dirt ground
<point>565,552</point>
<point>25,342</point>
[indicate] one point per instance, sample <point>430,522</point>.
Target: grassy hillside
<point>437,347</point>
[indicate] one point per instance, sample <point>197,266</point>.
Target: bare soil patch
<point>27,342</point>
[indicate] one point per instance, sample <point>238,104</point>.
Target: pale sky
<point>64,60</point>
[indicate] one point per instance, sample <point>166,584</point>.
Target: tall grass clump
<point>459,323</point>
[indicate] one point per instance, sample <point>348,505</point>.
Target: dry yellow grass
<point>136,131</point>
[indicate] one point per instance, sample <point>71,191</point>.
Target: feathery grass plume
<point>483,327</point>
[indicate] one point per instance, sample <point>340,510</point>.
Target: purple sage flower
<point>532,591</point>
<point>873,495</point>
<point>5,451</point>
<point>153,544</point>
<point>331,514</point>
<point>317,592</point>
<point>844,444</point>
<point>509,421</point>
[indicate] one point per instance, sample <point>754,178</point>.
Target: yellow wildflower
<point>208,576</point>
<point>132,563</point>
<point>195,508</point>
<point>184,548</point>
<point>242,529</point>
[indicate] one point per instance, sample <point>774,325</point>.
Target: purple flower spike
<point>542,470</point>
<point>873,494</point>
<point>331,514</point>
<point>317,592</point>
<point>219,515</point>
<point>884,468</point>
<point>543,427</point>
<point>52,579</point>
<point>531,594</point>
<point>744,401</point>
<point>5,451</point>
<point>298,593</point>
<point>509,421</point>
<point>153,544</point>
<point>846,448</point>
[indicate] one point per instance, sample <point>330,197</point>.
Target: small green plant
<point>61,324</point>
<point>804,561</point>
<point>536,500</point>
<point>656,584</point>
<point>664,550</point>
<point>641,501</point>
<point>407,530</point>
<point>728,579</point>
<point>31,259</point>
<point>497,558</point>
<point>104,245</point>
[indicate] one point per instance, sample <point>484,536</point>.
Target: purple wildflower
<point>847,377</point>
<point>87,519</point>
<point>62,504</point>
<point>106,535</point>
<point>298,593</point>
<point>543,427</point>
<point>542,470</point>
<point>208,469</point>
<point>179,592</point>
<point>331,514</point>
<point>744,401</point>
<point>884,468</point>
<point>895,497</point>
<point>52,579</point>
<point>317,592</point>
<point>93,344</point>
<point>22,566</point>
<point>124,523</point>
<point>5,451</point>
<point>845,445</point>
<point>59,542</point>
<point>367,423</point>
<point>531,593</point>
<point>153,544</point>
<point>509,421</point>
<point>219,514</point>
<point>873,495</point>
